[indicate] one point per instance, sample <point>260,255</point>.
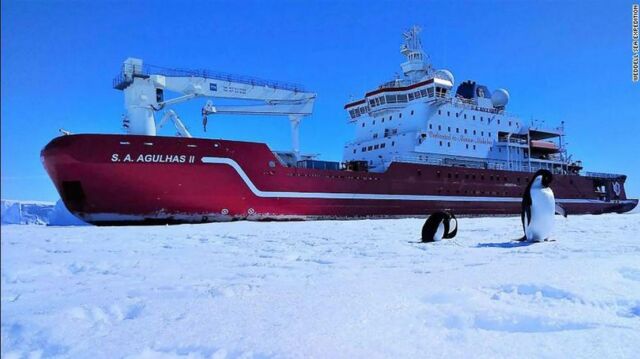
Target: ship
<point>421,144</point>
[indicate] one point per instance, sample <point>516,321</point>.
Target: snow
<point>328,289</point>
<point>36,212</point>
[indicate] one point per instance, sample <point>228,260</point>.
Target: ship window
<point>474,117</point>
<point>382,145</point>
<point>482,177</point>
<point>382,100</point>
<point>474,132</point>
<point>474,147</point>
<point>440,143</point>
<point>448,129</point>
<point>430,91</point>
<point>467,145</point>
<point>448,144</point>
<point>439,127</point>
<point>509,123</point>
<point>423,92</point>
<point>430,126</point>
<point>465,116</point>
<point>466,176</point>
<point>354,151</point>
<point>448,113</point>
<point>417,94</point>
<point>391,98</point>
<point>376,147</point>
<point>191,145</point>
<point>364,149</point>
<point>448,175</point>
<point>481,118</point>
<point>489,134</point>
<point>491,178</point>
<point>124,142</point>
<point>390,117</point>
<point>456,175</point>
<point>375,135</point>
<point>411,112</point>
<point>400,115</point>
<point>457,130</point>
<point>499,149</point>
<point>411,96</point>
<point>439,112</point>
<point>374,122</point>
<point>498,121</point>
<point>369,148</point>
<point>402,98</point>
<point>457,114</point>
<point>481,133</point>
<point>393,143</point>
<point>465,130</point>
<point>363,124</point>
<point>148,143</point>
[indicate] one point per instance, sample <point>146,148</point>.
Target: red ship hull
<point>117,179</point>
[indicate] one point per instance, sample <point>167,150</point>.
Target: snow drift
<point>325,289</point>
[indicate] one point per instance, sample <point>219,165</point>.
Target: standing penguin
<point>439,225</point>
<point>538,208</point>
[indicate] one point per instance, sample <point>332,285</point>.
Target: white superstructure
<point>422,118</point>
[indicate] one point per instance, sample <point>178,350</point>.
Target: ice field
<point>325,289</point>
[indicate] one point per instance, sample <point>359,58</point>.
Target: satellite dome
<point>500,98</point>
<point>445,75</point>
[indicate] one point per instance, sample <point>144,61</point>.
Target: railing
<point>165,71</point>
<point>603,175</point>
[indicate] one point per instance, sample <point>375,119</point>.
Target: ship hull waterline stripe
<point>373,196</point>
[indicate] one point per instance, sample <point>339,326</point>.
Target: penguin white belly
<point>543,205</point>
<point>439,233</point>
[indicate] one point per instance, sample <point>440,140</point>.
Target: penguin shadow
<point>513,244</point>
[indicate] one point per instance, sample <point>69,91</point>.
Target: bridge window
<point>430,91</point>
<point>411,97</point>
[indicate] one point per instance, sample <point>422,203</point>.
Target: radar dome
<point>500,98</point>
<point>445,75</point>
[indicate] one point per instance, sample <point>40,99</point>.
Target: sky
<point>560,61</point>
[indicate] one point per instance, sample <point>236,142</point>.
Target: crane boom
<point>144,95</point>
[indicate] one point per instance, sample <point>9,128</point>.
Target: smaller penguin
<point>538,208</point>
<point>439,226</point>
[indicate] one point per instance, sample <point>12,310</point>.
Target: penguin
<point>538,208</point>
<point>439,226</point>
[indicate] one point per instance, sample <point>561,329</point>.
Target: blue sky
<point>560,61</point>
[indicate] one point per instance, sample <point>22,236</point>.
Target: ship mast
<point>418,64</point>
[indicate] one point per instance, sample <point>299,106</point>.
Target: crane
<point>144,96</point>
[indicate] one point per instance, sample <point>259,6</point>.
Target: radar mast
<point>418,64</point>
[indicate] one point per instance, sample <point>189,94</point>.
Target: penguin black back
<point>433,223</point>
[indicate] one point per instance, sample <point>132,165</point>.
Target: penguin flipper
<point>561,210</point>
